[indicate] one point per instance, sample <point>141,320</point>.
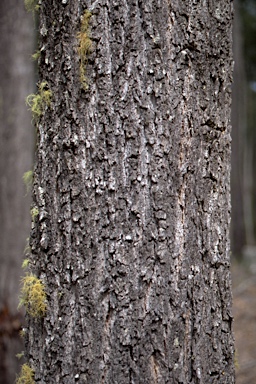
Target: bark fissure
<point>132,188</point>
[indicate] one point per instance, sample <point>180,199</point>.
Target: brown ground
<point>244,308</point>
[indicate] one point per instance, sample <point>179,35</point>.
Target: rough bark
<point>16,149</point>
<point>132,187</point>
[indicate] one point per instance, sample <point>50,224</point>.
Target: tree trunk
<point>16,149</point>
<point>131,239</point>
<point>239,196</point>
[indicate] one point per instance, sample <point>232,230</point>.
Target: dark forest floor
<point>244,309</point>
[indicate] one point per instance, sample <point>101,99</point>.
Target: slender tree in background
<point>131,196</point>
<point>16,148</point>
<point>240,195</point>
<point>247,10</point>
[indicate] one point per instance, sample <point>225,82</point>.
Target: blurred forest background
<point>17,143</point>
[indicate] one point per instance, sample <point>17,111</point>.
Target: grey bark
<point>132,187</point>
<point>16,149</point>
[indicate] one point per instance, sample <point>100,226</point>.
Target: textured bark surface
<point>132,187</point>
<point>16,152</point>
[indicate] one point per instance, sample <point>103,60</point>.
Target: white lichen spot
<point>43,30</point>
<point>195,268</point>
<point>218,13</point>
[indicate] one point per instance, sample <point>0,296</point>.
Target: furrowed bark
<point>132,187</point>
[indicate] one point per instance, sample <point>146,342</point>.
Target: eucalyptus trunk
<point>130,236</point>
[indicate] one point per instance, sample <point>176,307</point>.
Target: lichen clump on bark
<point>33,296</point>
<point>38,102</point>
<point>25,264</point>
<point>28,179</point>
<point>26,375</point>
<point>31,5</point>
<point>84,46</point>
<point>34,213</point>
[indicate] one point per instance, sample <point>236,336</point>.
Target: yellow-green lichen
<point>33,296</point>
<point>28,180</point>
<point>25,264</point>
<point>34,213</point>
<point>26,375</point>
<point>84,46</point>
<point>20,355</point>
<point>22,333</point>
<point>36,55</point>
<point>39,101</point>
<point>31,5</point>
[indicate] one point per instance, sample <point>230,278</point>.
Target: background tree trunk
<point>241,199</point>
<point>247,13</point>
<point>132,188</point>
<point>16,146</point>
